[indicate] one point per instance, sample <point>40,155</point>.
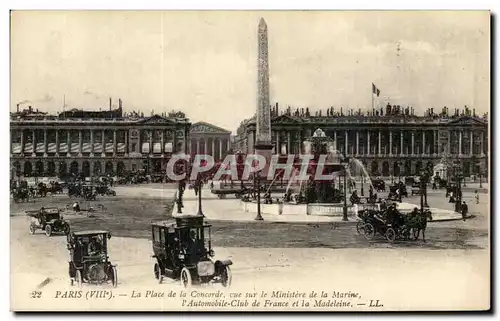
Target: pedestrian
<point>465,209</point>
<point>476,196</point>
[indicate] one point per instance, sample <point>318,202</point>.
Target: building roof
<point>206,128</point>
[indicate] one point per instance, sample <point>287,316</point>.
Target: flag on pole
<point>375,90</point>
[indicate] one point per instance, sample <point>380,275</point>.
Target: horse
<point>419,224</point>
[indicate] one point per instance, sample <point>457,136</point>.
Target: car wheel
<point>390,235</point>
<point>158,275</point>
<point>48,230</point>
<point>226,277</point>
<point>78,278</point>
<point>369,231</point>
<point>32,229</point>
<point>186,280</point>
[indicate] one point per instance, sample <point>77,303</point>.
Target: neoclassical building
<point>94,143</point>
<point>209,139</point>
<point>389,141</point>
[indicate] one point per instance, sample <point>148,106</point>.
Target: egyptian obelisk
<point>263,145</point>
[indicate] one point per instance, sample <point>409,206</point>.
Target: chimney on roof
<point>120,103</point>
<point>110,103</point>
<point>17,108</point>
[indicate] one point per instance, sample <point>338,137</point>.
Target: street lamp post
<point>345,161</point>
<point>200,185</point>
<point>257,180</point>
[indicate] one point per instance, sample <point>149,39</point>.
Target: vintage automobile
<point>183,251</point>
<point>89,261</point>
<point>48,219</point>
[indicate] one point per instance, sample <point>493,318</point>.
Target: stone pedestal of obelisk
<point>263,145</point>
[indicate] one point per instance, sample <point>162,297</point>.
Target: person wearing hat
<point>464,209</point>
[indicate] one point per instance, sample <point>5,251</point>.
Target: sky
<point>205,63</point>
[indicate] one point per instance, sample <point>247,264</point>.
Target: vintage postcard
<point>250,161</point>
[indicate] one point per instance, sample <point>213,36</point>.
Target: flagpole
<point>373,110</point>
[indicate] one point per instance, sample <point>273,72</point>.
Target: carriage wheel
<point>158,275</point>
<point>390,234</point>
<point>186,280</point>
<point>226,277</point>
<point>360,226</point>
<point>48,230</point>
<point>32,229</point>
<point>66,229</point>
<point>114,276</point>
<point>369,231</point>
<point>78,278</point>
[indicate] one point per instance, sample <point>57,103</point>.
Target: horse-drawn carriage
<point>21,194</point>
<point>49,220</point>
<point>104,190</point>
<point>378,184</point>
<point>392,224</point>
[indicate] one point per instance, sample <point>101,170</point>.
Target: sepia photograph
<point>257,161</point>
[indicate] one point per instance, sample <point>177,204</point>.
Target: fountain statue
<point>319,191</point>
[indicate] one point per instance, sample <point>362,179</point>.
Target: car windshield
<point>93,244</point>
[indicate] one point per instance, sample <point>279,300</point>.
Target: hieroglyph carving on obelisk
<point>263,133</point>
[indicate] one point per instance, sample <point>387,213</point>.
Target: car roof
<point>90,232</point>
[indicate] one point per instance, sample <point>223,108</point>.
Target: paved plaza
<point>314,252</point>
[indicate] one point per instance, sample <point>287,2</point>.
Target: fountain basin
<point>316,209</point>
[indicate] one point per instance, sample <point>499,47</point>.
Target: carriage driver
<point>95,246</point>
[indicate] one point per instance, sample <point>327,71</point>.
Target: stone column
<point>423,143</point>
<point>213,147</point>
<point>289,143</point>
<point>436,143</point>
<point>401,145</point>
<point>68,141</point>
<point>335,140</point>
<point>300,142</point>
<point>34,141</point>
<point>151,141</point>
<point>57,143</point>
<point>114,142</point>
<point>278,146</point>
<point>346,143</point>
<point>92,144</point>
<point>379,142</point>
<point>126,143</point>
<point>413,143</point>
<point>229,143</point>
<point>220,149</point>
<point>80,142</point>
<point>197,146</point>
<point>45,147</point>
<point>103,141</point>
<point>357,143</point>
<point>22,141</point>
<point>481,140</point>
<point>471,151</point>
<point>390,142</point>
<point>368,141</point>
<point>162,149</point>
<point>460,142</point>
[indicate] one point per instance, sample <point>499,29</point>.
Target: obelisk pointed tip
<point>262,23</point>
